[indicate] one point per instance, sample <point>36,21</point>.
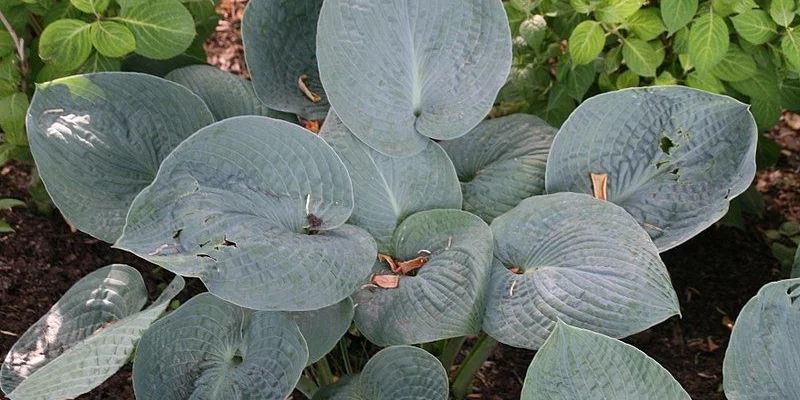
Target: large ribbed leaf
<point>501,162</point>
<point>85,337</point>
<point>98,140</point>
<point>582,260</point>
<point>323,328</point>
<point>399,72</point>
<point>389,189</point>
<point>763,356</point>
<point>673,156</point>
<point>446,297</point>
<point>256,208</point>
<point>225,94</point>
<point>211,349</point>
<point>576,363</point>
<point>280,46</point>
<point>398,372</point>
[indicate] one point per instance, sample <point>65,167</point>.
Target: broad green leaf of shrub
<point>665,79</point>
<point>398,372</point>
<point>12,117</point>
<point>323,328</point>
<point>85,337</point>
<point>762,89</point>
<point>211,349</point>
<point>641,57</point>
<point>280,47</point>
<point>586,42</point>
<point>90,6</point>
<point>66,43</point>
<point>162,28</point>
<point>256,208</point>
<point>678,13</point>
<point>112,39</point>
<point>400,72</point>
<point>617,11</point>
<point>735,66</point>
<point>387,189</point>
<point>708,41</point>
<point>763,355</point>
<point>646,24</point>
<point>790,46</point>
<point>575,363</point>
<point>225,94</point>
<point>98,140</point>
<point>571,268</point>
<point>99,63</point>
<point>446,297</point>
<point>501,162</point>
<point>705,81</point>
<point>782,11</point>
<point>674,156</point>
<point>755,26</point>
<point>7,45</point>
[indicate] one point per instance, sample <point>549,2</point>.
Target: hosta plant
<point>410,221</point>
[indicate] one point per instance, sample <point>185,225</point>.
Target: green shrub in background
<point>565,51</point>
<point>42,40</point>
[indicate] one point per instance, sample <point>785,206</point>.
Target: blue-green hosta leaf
<point>673,156</point>
<point>323,328</point>
<point>280,47</point>
<point>501,162</point>
<point>225,94</point>
<point>256,208</point>
<point>211,349</point>
<point>98,140</point>
<point>85,337</point>
<point>446,297</point>
<point>576,363</point>
<point>388,189</point>
<point>399,72</point>
<point>763,356</point>
<point>582,260</point>
<point>398,372</point>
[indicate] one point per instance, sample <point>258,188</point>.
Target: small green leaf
<point>583,6</point>
<point>790,46</point>
<point>613,59</point>
<point>704,81</point>
<point>66,43</point>
<point>627,79</point>
<point>736,66</point>
<point>708,41</point>
<point>7,204</point>
<point>782,11</point>
<point>99,63</point>
<point>740,6</point>
<point>680,42</point>
<point>755,26</point>
<point>641,57</point>
<point>677,13</point>
<point>579,80</point>
<point>665,79</point>
<point>112,39</point>
<point>12,116</point>
<point>646,24</point>
<point>586,42</point>
<point>525,6</point>
<point>5,227</point>
<point>163,28</point>
<point>766,111</point>
<point>617,11</point>
<point>91,6</point>
<point>6,44</point>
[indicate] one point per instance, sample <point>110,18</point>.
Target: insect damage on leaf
<point>301,84</point>
<point>314,222</point>
<point>599,183</point>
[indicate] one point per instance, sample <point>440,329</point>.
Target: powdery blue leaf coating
<point>323,328</point>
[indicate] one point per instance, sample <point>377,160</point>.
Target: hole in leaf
<point>666,144</point>
<point>206,256</point>
<point>314,222</point>
<point>236,360</point>
<point>226,242</point>
<point>661,164</point>
<point>177,233</point>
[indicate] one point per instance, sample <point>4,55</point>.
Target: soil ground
<point>714,274</point>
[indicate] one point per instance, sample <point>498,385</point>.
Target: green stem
<point>345,356</point>
<point>451,349</point>
<point>471,365</point>
<point>323,372</point>
<point>306,386</point>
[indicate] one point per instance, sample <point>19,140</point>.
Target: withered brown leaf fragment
<point>310,124</point>
<point>301,84</point>
<point>386,281</point>
<point>599,183</point>
<point>406,267</point>
<point>516,270</point>
<point>387,259</point>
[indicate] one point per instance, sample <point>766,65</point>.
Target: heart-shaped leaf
<point>673,156</point>
<point>85,337</point>
<point>400,72</point>
<point>323,328</point>
<point>225,94</point>
<point>398,372</point>
<point>576,363</point>
<point>763,355</point>
<point>255,207</point>
<point>98,140</point>
<point>501,162</point>
<point>579,259</point>
<point>280,47</point>
<point>211,349</point>
<point>66,43</point>
<point>389,189</point>
<point>446,297</point>
<point>162,28</point>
